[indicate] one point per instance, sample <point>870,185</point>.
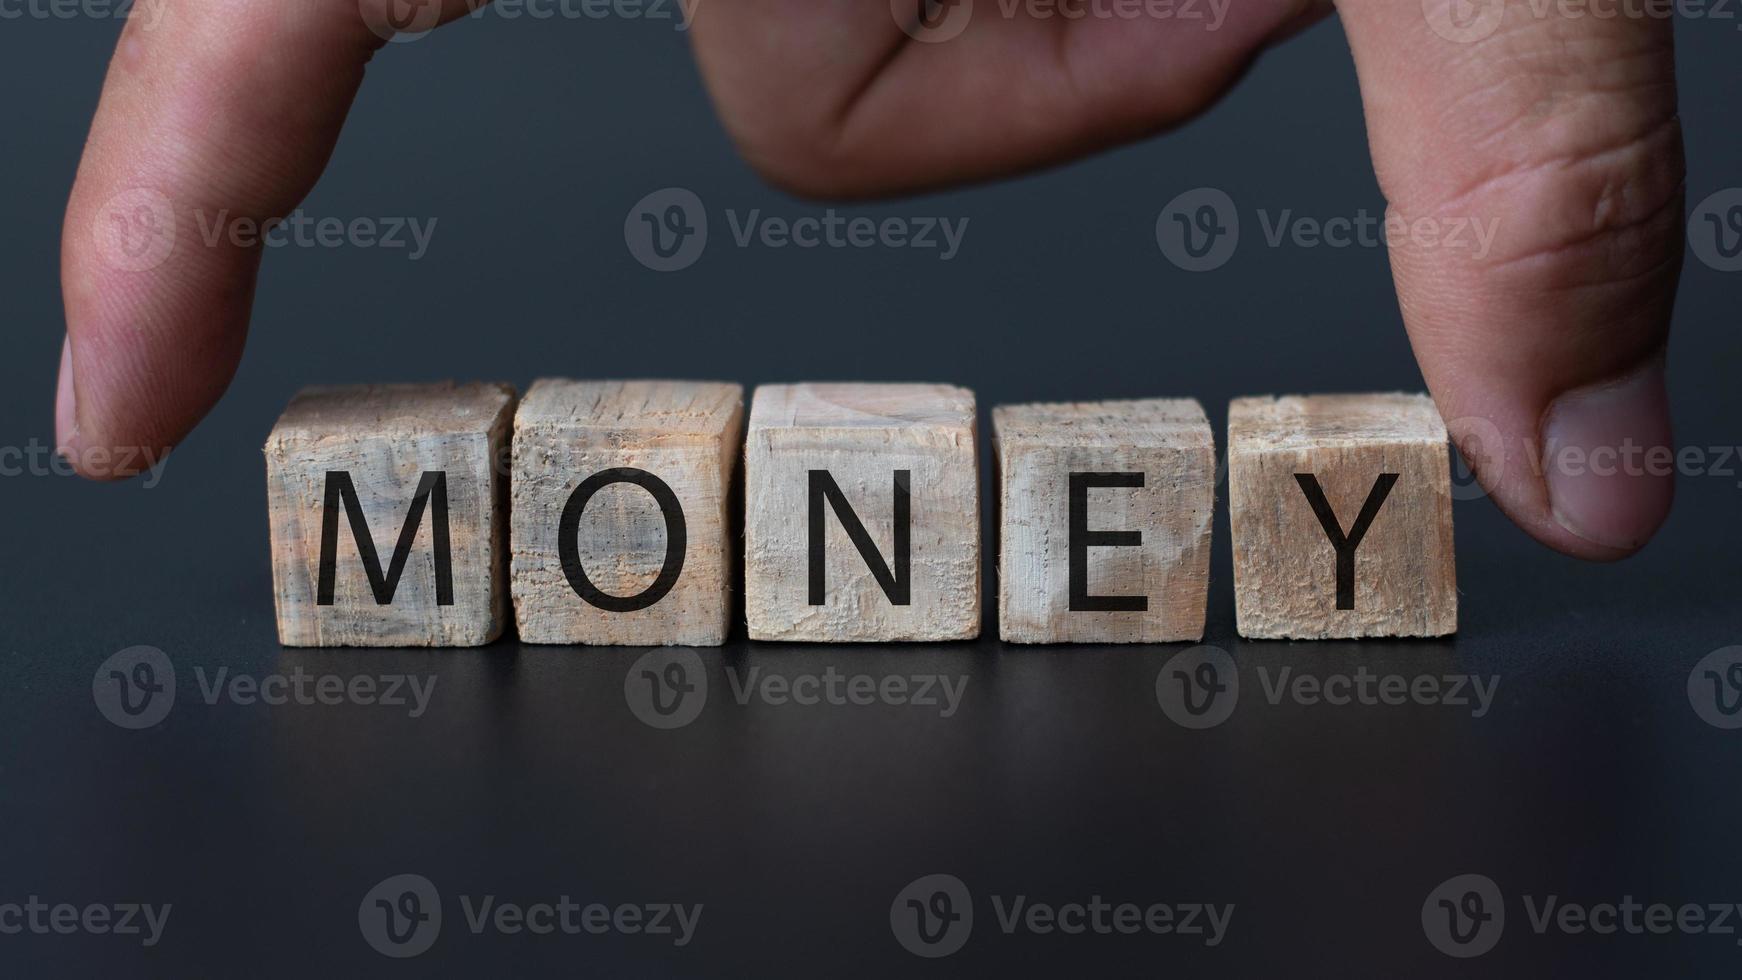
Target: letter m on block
<point>432,492</point>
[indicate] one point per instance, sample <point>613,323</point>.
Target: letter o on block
<point>621,521</point>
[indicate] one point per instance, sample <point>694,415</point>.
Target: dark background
<point>1591,778</point>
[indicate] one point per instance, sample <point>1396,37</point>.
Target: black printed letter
<point>340,488</point>
<point>676,539</point>
<point>1082,539</point>
<point>897,585</point>
<point>1345,545</point>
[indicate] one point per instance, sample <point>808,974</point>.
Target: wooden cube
<point>1341,510</point>
<point>1104,521</point>
<point>862,513</point>
<point>388,515</point>
<point>621,511</point>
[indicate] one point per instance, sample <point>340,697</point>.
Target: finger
<point>1558,137</point>
<point>863,98</point>
<point>214,111</point>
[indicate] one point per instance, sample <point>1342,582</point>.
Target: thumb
<point>1532,162</point>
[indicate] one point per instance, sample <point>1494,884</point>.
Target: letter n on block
<point>388,510</point>
<point>622,522</point>
<point>1104,522</point>
<point>1341,511</point>
<point>862,513</point>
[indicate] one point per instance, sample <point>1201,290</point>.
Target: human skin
<point>1562,129</point>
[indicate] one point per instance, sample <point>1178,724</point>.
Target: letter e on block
<point>1341,512</point>
<point>862,513</point>
<point>621,511</point>
<point>1105,512</point>
<point>388,511</point>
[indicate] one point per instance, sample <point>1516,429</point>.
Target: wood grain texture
<point>861,434</point>
<point>387,437</point>
<point>1170,445</point>
<point>1285,565</point>
<point>687,435</point>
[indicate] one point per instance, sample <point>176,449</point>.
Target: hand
<point>1561,129</point>
<point>1565,128</point>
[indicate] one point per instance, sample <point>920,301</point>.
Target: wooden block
<point>1104,521</point>
<point>1341,509</point>
<point>862,513</point>
<point>388,515</point>
<point>620,514</point>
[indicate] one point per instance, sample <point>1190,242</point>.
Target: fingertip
<point>66,425</point>
<point>1609,465</point>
